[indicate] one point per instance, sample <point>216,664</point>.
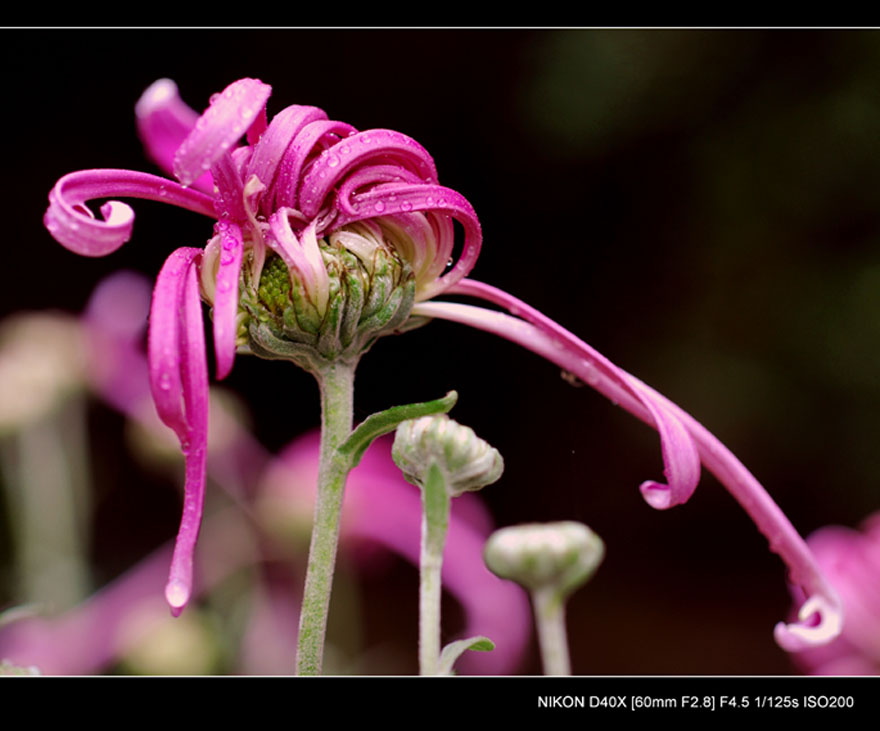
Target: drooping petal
<point>821,619</point>
<point>195,448</point>
<point>179,383</point>
<point>163,122</point>
<point>285,243</point>
<point>229,116</point>
<point>226,296</point>
<point>229,202</point>
<point>73,224</point>
<point>164,341</point>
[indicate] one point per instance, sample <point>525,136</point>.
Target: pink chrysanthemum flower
<point>324,199</point>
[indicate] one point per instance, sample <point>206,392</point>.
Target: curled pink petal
<point>432,199</point>
<point>226,296</point>
<point>73,225</point>
<point>301,151</point>
<point>383,145</point>
<point>542,336</point>
<point>164,120</point>
<point>228,117</point>
<point>272,147</point>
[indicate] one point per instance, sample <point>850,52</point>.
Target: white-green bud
<point>467,461</point>
<point>560,555</point>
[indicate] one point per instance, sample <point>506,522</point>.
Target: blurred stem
<point>336,381</point>
<point>552,637</point>
<point>435,522</point>
<point>49,484</point>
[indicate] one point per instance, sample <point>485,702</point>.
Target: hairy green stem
<point>435,522</point>
<point>336,381</point>
<point>552,637</point>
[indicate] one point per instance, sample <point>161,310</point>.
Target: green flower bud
<point>367,290</point>
<point>538,556</point>
<point>468,462</point>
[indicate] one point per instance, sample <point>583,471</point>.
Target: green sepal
<point>455,650</point>
<point>387,421</point>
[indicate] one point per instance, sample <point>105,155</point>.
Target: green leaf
<point>455,650</point>
<point>375,425</point>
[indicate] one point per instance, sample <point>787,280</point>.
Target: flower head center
<point>331,297</point>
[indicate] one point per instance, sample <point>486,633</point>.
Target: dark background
<point>700,206</point>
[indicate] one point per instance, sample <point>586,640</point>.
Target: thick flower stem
<point>336,381</point>
<point>552,636</point>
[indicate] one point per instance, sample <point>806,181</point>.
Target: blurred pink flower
<point>851,561</point>
<point>303,176</point>
<point>384,511</point>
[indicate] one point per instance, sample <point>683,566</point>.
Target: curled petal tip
<point>156,96</point>
<point>177,595</point>
<point>820,622</point>
<point>229,116</point>
<point>657,495</point>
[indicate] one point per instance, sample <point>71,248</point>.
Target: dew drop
<point>223,286</point>
<point>333,161</point>
<point>227,258</point>
<point>165,382</point>
<point>345,149</point>
<point>379,207</point>
<point>406,206</point>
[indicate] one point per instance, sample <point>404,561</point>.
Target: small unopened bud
<point>468,462</point>
<point>539,556</point>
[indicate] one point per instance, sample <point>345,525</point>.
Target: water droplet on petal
<point>333,161</point>
<point>226,258</point>
<point>406,206</point>
<point>379,207</point>
<point>223,286</point>
<point>165,382</point>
